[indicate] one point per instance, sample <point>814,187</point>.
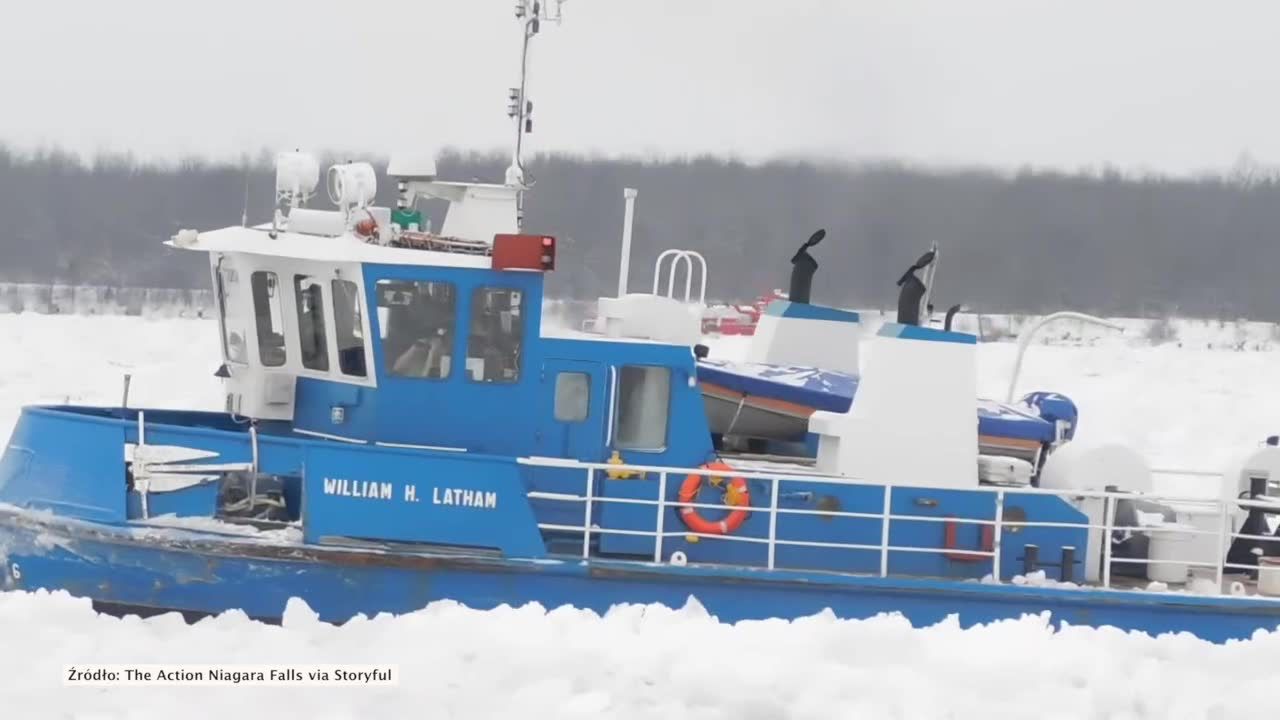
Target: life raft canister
<point>736,494</point>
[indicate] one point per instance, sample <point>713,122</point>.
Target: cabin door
<point>574,410</point>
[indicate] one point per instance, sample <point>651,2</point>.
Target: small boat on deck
<point>400,427</point>
<point>758,405</point>
<point>804,358</point>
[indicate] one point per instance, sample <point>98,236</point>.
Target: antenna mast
<point>244,211</point>
<point>530,13</point>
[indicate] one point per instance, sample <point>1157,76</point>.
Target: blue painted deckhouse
<point>400,426</point>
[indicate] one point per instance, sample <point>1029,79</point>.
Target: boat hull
<point>203,573</point>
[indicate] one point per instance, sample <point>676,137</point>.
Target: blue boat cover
<point>1011,421</point>
<point>833,391</point>
<point>808,386</point>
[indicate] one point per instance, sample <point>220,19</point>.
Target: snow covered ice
<point>1180,407</point>
<point>634,662</point>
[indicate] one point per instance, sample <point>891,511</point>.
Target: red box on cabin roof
<point>524,252</point>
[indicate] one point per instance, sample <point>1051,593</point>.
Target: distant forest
<point>1021,242</point>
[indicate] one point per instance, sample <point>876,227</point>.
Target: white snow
<point>83,359</point>
<point>1184,407</point>
<point>634,662</point>
<point>162,523</point>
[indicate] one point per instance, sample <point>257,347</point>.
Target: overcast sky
<point>1158,85</point>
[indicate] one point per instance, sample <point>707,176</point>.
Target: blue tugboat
<point>400,427</point>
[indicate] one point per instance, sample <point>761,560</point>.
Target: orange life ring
<point>736,494</point>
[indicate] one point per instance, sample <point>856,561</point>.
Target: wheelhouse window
<point>416,321</point>
<point>644,399</point>
<point>348,328</point>
<point>268,317</point>
<point>229,306</point>
<point>573,397</point>
<point>497,333</point>
<point>312,338</point>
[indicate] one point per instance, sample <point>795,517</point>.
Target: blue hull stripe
<point>202,573</point>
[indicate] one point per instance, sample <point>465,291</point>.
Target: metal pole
<point>253,475</point>
<point>1224,534</point>
<point>926,317</point>
<point>773,523</point>
<point>662,507</point>
<point>143,484</point>
<point>884,531</point>
<point>1024,339</point>
<point>996,536</point>
<point>586,523</point>
<point>515,174</point>
<point>1108,507</point>
<point>624,266</point>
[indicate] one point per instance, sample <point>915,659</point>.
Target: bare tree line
<point>1025,242</point>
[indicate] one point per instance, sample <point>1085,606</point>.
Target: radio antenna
<point>244,209</point>
<point>531,14</point>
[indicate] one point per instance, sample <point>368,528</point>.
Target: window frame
<point>615,421</point>
<point>476,290</point>
<point>274,303</point>
<point>317,281</point>
<point>357,323</point>
<point>387,365</point>
<point>221,267</point>
<point>555,395</point>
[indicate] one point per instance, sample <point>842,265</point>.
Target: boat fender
<point>736,493</point>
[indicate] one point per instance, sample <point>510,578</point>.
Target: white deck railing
<point>1225,511</point>
<point>687,257</point>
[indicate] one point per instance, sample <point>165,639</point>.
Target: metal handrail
<point>687,256</point>
<point>1225,507</point>
<point>817,477</point>
<point>994,523</point>
<point>1024,339</point>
